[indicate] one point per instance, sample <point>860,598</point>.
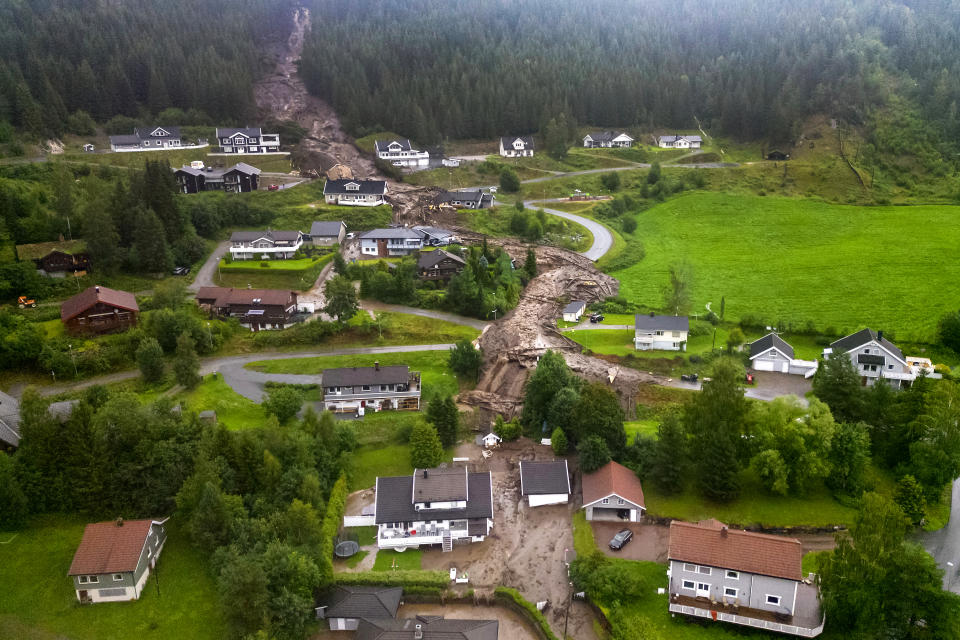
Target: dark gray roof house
<point>430,259</point>
<point>152,133</point>
<point>539,478</point>
<point>653,322</point>
<point>427,628</point>
<point>862,337</point>
<point>276,236</point>
<point>327,229</point>
<point>398,495</point>
<point>250,132</point>
<point>400,144</point>
<point>360,187</point>
<point>369,602</point>
<point>436,235</point>
<point>507,141</point>
<point>574,306</point>
<point>358,376</point>
<point>770,341</point>
<point>393,233</point>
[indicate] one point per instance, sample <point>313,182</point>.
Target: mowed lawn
<point>839,266</point>
<point>37,600</point>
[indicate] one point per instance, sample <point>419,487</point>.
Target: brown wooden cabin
<point>100,310</point>
<point>438,265</point>
<point>63,256</point>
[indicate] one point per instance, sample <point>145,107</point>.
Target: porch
<point>807,620</point>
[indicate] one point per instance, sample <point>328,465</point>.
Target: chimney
<point>119,522</point>
<point>418,632</point>
<point>425,476</point>
<point>723,531</point>
<point>98,288</point>
<point>880,335</point>
<point>376,365</point>
<point>651,314</point>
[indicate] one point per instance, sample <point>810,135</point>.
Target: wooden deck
<point>808,621</point>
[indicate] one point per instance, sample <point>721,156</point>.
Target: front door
<point>703,590</point>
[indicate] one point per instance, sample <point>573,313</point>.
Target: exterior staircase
<point>447,541</point>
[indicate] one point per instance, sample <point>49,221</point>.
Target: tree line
<point>65,63</point>
<point>753,69</point>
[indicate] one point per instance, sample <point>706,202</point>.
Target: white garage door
<point>763,365</point>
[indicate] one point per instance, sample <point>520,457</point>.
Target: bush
<point>508,431</point>
<point>424,579</point>
<point>628,223</point>
<point>593,453</point>
<point>336,505</point>
<point>264,265</point>
<point>509,180</point>
<point>284,402</point>
<point>558,441</point>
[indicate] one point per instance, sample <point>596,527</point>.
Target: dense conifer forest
<point>750,69</point>
<point>132,58</point>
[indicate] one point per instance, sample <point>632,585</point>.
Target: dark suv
<point>596,317</point>
<point>621,539</point>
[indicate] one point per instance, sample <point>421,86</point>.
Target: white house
<point>383,243</point>
<point>361,389</point>
<point>613,492</point>
<point>433,507</point>
<point>679,142</point>
<point>490,440</point>
<point>355,193</point>
<point>773,353</point>
<point>661,332</point>
<point>115,558</point>
<point>263,245</point>
<point>545,482</point>
<point>247,140</point>
<point>574,310</point>
<point>516,146</point>
<point>607,139</point>
<point>400,151</point>
<point>877,358</point>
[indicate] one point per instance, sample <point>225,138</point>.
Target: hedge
<point>512,595</point>
<point>276,266</point>
<point>336,506</point>
<point>425,579</point>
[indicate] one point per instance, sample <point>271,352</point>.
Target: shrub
<point>264,265</point>
<point>558,440</point>
<point>508,431</point>
<point>427,579</point>
<point>336,505</point>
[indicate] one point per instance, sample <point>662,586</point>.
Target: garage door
<point>763,365</point>
<point>784,367</point>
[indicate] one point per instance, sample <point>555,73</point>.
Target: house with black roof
<point>607,139</point>
<point>358,389</point>
<point>425,627</point>
<point>326,233</point>
<point>240,178</point>
<point>544,482</point>
<point>265,245</point>
<point>147,139</point>
<point>679,142</point>
<point>392,242</point>
<point>247,140</point>
<point>355,193</point>
<point>876,358</point>
<point>773,353</point>
<point>435,236</point>
<point>433,507</point>
<point>439,265</point>
<point>345,606</point>
<point>661,332</point>
<point>400,152</point>
<point>574,310</point>
<point>466,199</point>
<point>516,146</point>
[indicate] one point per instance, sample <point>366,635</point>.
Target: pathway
<point>944,544</point>
<point>602,238</point>
<point>205,273</point>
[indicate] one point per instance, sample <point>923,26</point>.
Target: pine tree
<point>530,264</point>
<point>150,244</point>
<point>150,360</point>
<point>426,450</point>
<point>443,414</point>
<point>186,362</point>
<point>669,465</point>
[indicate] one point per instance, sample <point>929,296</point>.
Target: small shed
<point>490,440</point>
<point>544,482</point>
<point>209,416</point>
<point>573,311</point>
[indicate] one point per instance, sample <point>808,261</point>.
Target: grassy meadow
<point>840,267</point>
<point>37,600</point>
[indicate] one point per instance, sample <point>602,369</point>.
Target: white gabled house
<point>607,139</point>
<point>355,193</point>
<point>516,146</point>
<point>247,140</point>
<point>396,241</point>
<point>433,507</point>
<point>613,492</point>
<point>147,139</point>
<point>661,332</point>
<point>679,142</point>
<point>773,353</point>
<point>876,358</point>
<point>401,151</point>
<point>264,245</point>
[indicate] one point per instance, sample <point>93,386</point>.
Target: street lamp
<point>74,360</point>
<point>210,336</point>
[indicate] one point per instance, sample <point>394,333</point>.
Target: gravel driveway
<point>205,273</point>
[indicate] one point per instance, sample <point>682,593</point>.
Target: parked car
<point>596,317</point>
<point>351,235</point>
<point>398,164</point>
<point>621,539</point>
<point>273,187</point>
<point>181,271</point>
<point>689,377</point>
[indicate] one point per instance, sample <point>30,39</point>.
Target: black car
<point>181,271</point>
<point>621,539</point>
<point>597,317</point>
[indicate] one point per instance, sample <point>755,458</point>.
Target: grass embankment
<point>839,267</point>
<point>37,600</point>
<point>298,274</point>
<point>234,411</point>
<point>496,222</point>
<point>180,157</point>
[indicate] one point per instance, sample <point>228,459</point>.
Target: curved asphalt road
<point>602,238</point>
<point>944,544</point>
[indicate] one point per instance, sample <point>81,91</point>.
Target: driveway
<point>944,545</point>
<point>602,238</point>
<point>769,385</point>
<point>650,541</point>
<point>205,273</point>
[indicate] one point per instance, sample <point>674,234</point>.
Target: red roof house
<point>613,492</point>
<point>114,559</point>
<point>100,310</point>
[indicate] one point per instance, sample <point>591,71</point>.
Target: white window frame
<point>701,571</point>
<point>692,568</point>
<point>605,501</point>
<point>733,575</point>
<point>118,577</point>
<point>692,587</point>
<point>93,579</point>
<point>82,579</point>
<point>773,600</point>
<point>700,589</point>
<point>621,501</point>
<point>727,590</point>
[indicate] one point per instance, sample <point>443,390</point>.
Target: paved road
<point>602,238</point>
<point>944,545</point>
<point>372,305</point>
<point>246,382</point>
<point>205,273</point>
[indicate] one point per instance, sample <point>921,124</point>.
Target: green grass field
<point>388,560</point>
<point>179,157</point>
<point>841,267</point>
<point>298,265</point>
<point>642,427</point>
<point>37,600</point>
<point>233,410</point>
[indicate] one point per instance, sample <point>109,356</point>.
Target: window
<point>866,350</point>
<point>733,575</point>
<point>605,501</point>
<point>688,584</point>
<point>118,577</point>
<point>889,366</point>
<point>704,570</point>
<point>93,579</point>
<point>82,579</point>
<point>366,387</point>
<point>730,592</point>
<point>774,600</point>
<point>621,501</point>
<point>690,567</point>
